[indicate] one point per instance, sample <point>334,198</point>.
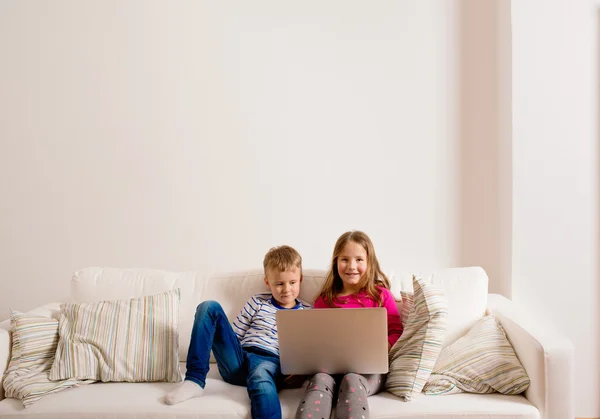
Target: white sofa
<point>547,357</point>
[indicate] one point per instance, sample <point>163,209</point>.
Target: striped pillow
<point>483,361</point>
<point>413,356</point>
<point>131,340</point>
<point>34,344</point>
<point>408,303</point>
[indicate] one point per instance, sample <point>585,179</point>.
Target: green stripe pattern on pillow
<point>413,356</point>
<point>34,344</point>
<point>483,361</point>
<point>133,340</point>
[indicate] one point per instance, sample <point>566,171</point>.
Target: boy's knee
<point>207,307</point>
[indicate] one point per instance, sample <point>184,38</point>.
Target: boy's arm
<point>243,321</point>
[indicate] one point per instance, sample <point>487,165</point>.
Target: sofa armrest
<point>5,349</point>
<point>547,357</point>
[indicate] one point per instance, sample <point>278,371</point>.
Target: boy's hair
<point>282,258</point>
<point>373,278</point>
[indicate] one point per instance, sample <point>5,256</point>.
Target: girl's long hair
<point>373,277</point>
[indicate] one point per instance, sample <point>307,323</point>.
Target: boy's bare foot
<point>185,391</point>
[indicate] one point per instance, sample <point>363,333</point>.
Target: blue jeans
<point>258,370</point>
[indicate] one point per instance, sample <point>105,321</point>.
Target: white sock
<point>187,390</point>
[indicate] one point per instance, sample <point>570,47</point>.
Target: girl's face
<point>352,266</point>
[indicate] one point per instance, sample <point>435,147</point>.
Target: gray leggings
<point>352,392</point>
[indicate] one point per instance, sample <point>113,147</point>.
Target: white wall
<point>555,176</point>
<point>196,135</point>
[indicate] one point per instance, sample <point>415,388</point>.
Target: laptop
<point>333,340</point>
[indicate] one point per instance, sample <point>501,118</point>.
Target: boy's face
<point>285,286</point>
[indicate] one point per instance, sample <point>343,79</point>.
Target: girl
<point>354,280</point>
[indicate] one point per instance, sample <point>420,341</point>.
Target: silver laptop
<point>333,340</point>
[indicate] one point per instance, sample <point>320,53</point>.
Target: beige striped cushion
<point>482,361</point>
<point>407,305</point>
<point>413,356</point>
<point>124,340</point>
<point>34,345</point>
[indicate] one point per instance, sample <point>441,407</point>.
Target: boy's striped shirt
<point>256,326</point>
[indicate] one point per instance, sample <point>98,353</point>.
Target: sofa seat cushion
<point>456,406</point>
<point>222,400</point>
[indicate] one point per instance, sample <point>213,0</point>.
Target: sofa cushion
<point>413,356</point>
<point>121,340</point>
<point>103,284</point>
<point>225,401</point>
<point>482,361</point>
<point>231,290</point>
<point>34,345</point>
<point>464,288</point>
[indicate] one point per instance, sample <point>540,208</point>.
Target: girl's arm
<point>394,322</point>
<point>243,321</point>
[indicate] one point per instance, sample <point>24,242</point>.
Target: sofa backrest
<point>465,288</point>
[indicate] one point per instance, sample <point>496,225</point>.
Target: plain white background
<point>194,135</point>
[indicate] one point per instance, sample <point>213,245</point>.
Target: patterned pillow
<point>34,344</point>
<point>408,302</point>
<point>131,340</point>
<point>413,356</point>
<point>482,361</point>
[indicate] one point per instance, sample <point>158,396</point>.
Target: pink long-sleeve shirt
<point>362,299</point>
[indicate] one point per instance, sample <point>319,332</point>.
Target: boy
<point>247,353</point>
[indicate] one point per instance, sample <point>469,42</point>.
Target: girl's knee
<point>323,378</point>
<point>321,382</point>
<point>353,383</point>
<point>351,379</point>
